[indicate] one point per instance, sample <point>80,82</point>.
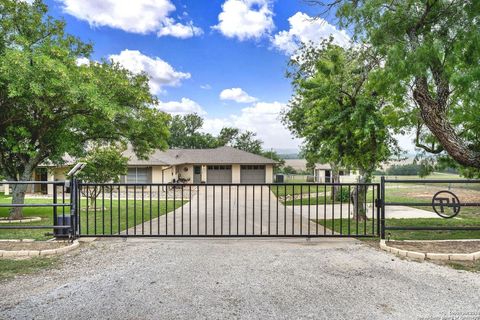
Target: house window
<point>139,175</point>
<point>219,167</point>
<point>252,167</point>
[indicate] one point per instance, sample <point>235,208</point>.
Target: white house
<point>323,174</point>
<point>223,165</point>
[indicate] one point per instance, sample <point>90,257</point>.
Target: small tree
<point>103,164</point>
<point>337,114</point>
<point>289,170</point>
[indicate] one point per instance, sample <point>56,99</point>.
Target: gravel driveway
<point>239,279</point>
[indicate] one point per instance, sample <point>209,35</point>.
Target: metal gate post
<point>382,208</point>
<point>378,207</point>
<point>73,209</point>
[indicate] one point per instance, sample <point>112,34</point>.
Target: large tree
<point>186,133</point>
<point>247,141</point>
<point>335,111</point>
<point>431,66</point>
<point>50,105</point>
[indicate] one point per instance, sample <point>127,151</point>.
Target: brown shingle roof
<point>221,155</point>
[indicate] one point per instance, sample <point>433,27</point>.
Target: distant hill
<point>289,156</point>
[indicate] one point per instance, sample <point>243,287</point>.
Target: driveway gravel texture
<point>240,279</point>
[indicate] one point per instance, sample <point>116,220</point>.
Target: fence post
<point>382,208</point>
<point>73,207</point>
<point>55,201</point>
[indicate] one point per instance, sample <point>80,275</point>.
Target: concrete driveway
<point>338,211</point>
<point>240,279</point>
<point>231,210</point>
<point>248,210</point>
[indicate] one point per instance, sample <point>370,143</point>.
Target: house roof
<point>323,166</point>
<point>221,155</point>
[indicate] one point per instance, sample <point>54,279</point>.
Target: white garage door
<point>219,174</point>
<point>252,174</point>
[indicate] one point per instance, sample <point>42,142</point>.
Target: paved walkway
<point>239,279</point>
<point>338,211</point>
<point>231,210</point>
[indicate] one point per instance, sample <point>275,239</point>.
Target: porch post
<point>50,187</point>
<point>204,174</point>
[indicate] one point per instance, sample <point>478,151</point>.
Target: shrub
<point>342,195</point>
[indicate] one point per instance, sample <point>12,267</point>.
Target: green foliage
<point>430,72</point>
<point>248,142</point>
<point>51,106</point>
<point>274,156</point>
<point>10,268</point>
<point>185,133</point>
<point>288,170</point>
<point>342,195</point>
<point>340,118</point>
<point>404,170</point>
<point>103,164</point>
<point>227,135</point>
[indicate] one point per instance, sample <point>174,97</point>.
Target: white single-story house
<point>323,174</point>
<point>223,165</point>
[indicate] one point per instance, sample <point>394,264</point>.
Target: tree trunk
<point>335,178</point>
<point>18,195</point>
<point>434,114</point>
<point>358,198</point>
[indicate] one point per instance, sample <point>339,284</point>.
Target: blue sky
<point>224,59</point>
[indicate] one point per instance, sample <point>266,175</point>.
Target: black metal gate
<point>454,202</point>
<point>257,210</point>
<point>227,210</point>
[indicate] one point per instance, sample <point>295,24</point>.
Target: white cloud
<point>245,19</point>
<point>179,30</point>
<point>262,118</point>
<point>82,61</point>
<point>304,28</point>
<point>205,86</point>
<point>160,72</point>
<point>237,95</point>
<point>139,16</point>
<point>182,107</point>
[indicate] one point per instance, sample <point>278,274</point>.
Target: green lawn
<point>434,175</point>
<point>302,192</point>
<point>341,226</point>
<point>472,266</point>
<point>305,188</point>
<point>13,267</point>
<point>103,221</point>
